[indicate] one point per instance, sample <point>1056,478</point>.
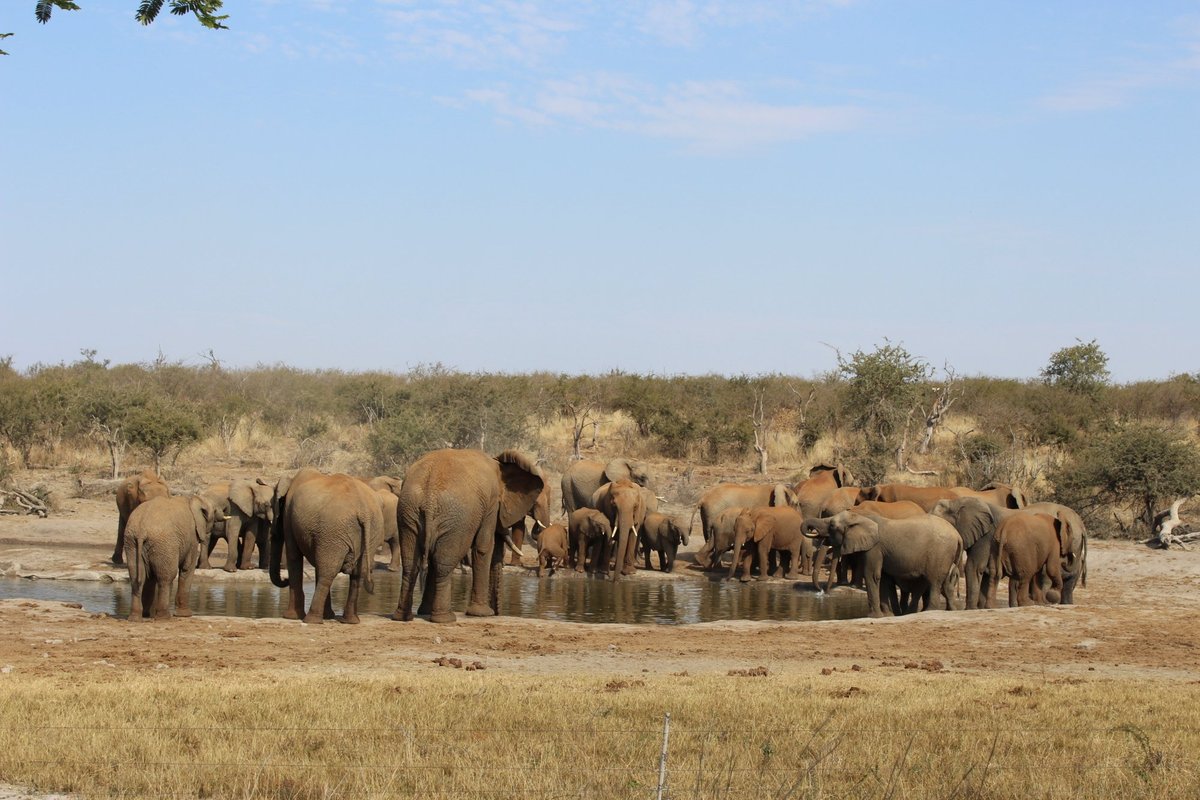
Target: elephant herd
<point>464,507</point>
<point>904,544</point>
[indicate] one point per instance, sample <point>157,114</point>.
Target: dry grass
<point>445,733</point>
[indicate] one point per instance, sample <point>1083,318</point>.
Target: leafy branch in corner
<point>205,12</point>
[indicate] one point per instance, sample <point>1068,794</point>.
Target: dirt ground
<point>1135,619</point>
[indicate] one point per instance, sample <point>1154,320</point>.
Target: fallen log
<point>27,503</point>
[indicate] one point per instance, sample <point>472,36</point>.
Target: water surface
<point>565,597</point>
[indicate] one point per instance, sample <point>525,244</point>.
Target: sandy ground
<point>1137,618</point>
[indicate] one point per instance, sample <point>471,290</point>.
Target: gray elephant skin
<point>588,532</point>
<point>133,491</point>
<point>245,512</point>
<point>663,534</point>
<point>581,480</point>
<point>456,502</point>
<point>624,504</point>
<point>333,521</point>
<point>724,496</point>
<point>162,544</point>
<point>916,555</point>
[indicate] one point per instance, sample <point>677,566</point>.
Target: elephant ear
<point>618,469</point>
<point>1062,529</point>
<point>202,514</point>
<point>861,534</point>
<point>262,493</point>
<point>842,476</point>
<point>974,520</point>
<point>242,495</point>
<point>520,484</point>
<point>764,526</point>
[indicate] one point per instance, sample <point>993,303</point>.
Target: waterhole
<point>565,597</point>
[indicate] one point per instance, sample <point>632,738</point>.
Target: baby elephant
<point>552,548</point>
<point>662,533</point>
<point>162,542</point>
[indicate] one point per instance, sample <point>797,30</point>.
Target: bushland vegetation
<point>1117,452</point>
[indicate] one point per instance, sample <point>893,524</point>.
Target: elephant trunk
<point>277,550</point>
<point>739,539</point>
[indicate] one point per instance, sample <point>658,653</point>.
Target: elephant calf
<point>162,543</point>
<point>664,534</point>
<point>552,548</point>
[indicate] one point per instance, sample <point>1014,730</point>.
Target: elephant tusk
<point>509,541</point>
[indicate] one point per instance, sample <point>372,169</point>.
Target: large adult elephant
<point>625,506</point>
<point>583,478</point>
<point>333,521</point>
<point>132,492</point>
<point>245,513</point>
<point>456,502</point>
<point>924,496</point>
<point>162,544</point>
<point>976,523</point>
<point>823,480</point>
<point>734,495</point>
<point>779,529</point>
<point>540,514</point>
<point>1074,564</point>
<point>840,570</point>
<point>999,494</point>
<point>1026,546</point>
<point>919,555</point>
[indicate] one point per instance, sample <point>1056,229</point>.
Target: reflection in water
<point>564,596</point>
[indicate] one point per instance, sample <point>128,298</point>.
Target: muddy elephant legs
<point>483,550</point>
<point>322,605</point>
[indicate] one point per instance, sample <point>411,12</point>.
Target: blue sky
<point>670,186</point>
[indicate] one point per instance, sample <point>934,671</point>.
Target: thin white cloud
<point>476,34</point>
<point>1123,86</point>
<point>712,116</point>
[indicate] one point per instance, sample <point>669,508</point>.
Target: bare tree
<point>758,418</point>
<point>944,396</point>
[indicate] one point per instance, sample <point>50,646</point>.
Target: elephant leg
<point>646,551</point>
<point>233,528</point>
<point>206,549</point>
<point>481,559</point>
<point>249,542</point>
<point>793,573</point>
<point>295,565</point>
<point>321,608</point>
<point>1014,591</point>
<point>182,608</point>
<point>395,563</point>
<point>436,600</point>
<point>629,565</point>
<point>162,593</point>
<point>350,612</point>
<point>147,596</point>
<point>118,554</point>
<point>263,542</point>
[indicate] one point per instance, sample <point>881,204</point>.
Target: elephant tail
<point>366,556</point>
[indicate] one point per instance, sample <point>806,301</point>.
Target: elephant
<point>552,548</point>
<point>163,542</point>
<point>663,534</point>
<point>724,530</point>
<point>841,499</point>
<point>133,491</point>
<point>823,480</point>
<point>540,514</point>
<point>336,523</point>
<point>1000,494</point>
<point>456,502</point>
<point>734,495</point>
<point>1026,545</point>
<point>778,528</point>
<point>625,506</point>
<point>918,554</point>
<point>588,530</point>
<point>924,496</point>
<point>583,478</point>
<point>387,489</point>
<point>1074,566</point>
<point>975,521</point>
<point>903,509</point>
<point>246,511</point>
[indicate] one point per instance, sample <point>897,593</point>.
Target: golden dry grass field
<point>1099,700</point>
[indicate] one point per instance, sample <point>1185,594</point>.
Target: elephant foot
<point>402,616</point>
<point>183,612</point>
<point>390,568</point>
<point>479,610</point>
<point>350,619</point>
<point>793,577</point>
<point>291,614</point>
<point>875,614</point>
<point>314,619</point>
<point>446,616</point>
<point>117,561</point>
<point>229,568</point>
